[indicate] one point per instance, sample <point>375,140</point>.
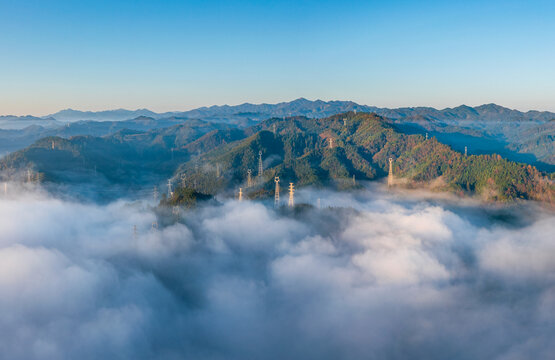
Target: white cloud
<point>388,279</point>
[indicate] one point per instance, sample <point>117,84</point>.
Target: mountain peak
<point>301,100</point>
<point>492,107</point>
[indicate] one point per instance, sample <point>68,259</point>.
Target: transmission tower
<point>291,195</point>
<point>426,136</point>
<point>354,180</point>
<point>170,192</point>
<point>390,176</point>
<point>218,170</point>
<point>249,178</point>
<point>331,142</point>
<point>240,194</point>
<point>6,189</point>
<point>175,212</point>
<point>29,175</point>
<point>260,167</point>
<point>183,178</point>
<point>276,196</point>
<point>274,129</point>
<point>345,122</point>
<point>155,194</point>
<point>465,151</point>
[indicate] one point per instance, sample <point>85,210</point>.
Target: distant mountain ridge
<point>12,122</point>
<point>15,139</point>
<point>308,108</point>
<point>319,108</point>
<point>70,115</point>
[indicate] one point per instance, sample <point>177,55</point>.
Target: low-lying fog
<point>377,277</point>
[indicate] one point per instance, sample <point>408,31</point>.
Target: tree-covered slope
<point>338,151</point>
<point>126,157</point>
<point>298,150</point>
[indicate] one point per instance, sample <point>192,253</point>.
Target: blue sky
<point>177,55</point>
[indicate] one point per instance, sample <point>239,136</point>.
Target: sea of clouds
<point>376,276</point>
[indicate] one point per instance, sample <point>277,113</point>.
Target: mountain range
<point>302,107</point>
<point>527,137</point>
<point>213,158</point>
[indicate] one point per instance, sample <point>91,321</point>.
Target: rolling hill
<point>212,158</point>
<point>300,152</point>
<point>485,129</point>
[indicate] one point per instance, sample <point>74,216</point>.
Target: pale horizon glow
<point>181,55</point>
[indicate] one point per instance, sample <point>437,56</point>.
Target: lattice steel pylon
<point>240,194</point>
<point>291,195</point>
<point>276,196</point>
<point>260,166</point>
<point>175,212</point>
<point>249,178</point>
<point>390,176</point>
<point>170,192</point>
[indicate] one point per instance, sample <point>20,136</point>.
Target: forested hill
<point>127,157</point>
<point>519,136</point>
<point>299,151</point>
<point>325,152</point>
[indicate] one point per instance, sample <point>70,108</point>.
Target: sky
<point>179,55</point>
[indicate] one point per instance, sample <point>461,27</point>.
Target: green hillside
<point>336,151</point>
<point>300,152</point>
<point>126,157</point>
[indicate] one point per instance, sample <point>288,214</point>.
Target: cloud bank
<point>380,278</point>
